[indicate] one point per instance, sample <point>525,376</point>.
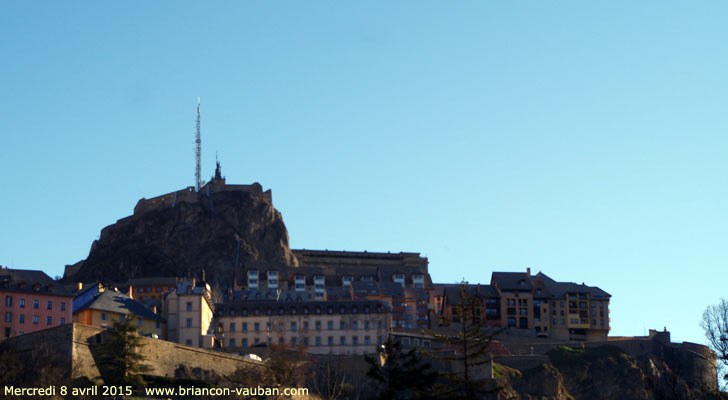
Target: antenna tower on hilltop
<point>198,151</point>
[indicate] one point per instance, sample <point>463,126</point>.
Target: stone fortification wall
<point>189,195</point>
<point>78,346</point>
<point>522,363</point>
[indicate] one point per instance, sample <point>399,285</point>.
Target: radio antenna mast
<point>198,151</point>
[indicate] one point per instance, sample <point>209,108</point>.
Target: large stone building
<point>322,327</point>
<point>31,301</point>
<point>558,310</point>
<point>399,279</point>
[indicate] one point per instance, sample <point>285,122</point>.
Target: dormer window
<point>253,279</point>
<point>522,282</point>
<point>418,280</point>
<point>398,278</point>
<point>300,283</point>
<point>346,281</point>
<point>272,279</point>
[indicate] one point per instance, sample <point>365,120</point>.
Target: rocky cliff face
<point>607,373</point>
<point>184,237</point>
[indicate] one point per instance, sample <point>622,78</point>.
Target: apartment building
<point>31,301</point>
<point>188,310</point>
<point>322,327</point>
<point>558,310</point>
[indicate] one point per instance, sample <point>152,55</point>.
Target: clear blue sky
<point>585,140</point>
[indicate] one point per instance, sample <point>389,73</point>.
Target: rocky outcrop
<point>607,373</point>
<point>182,237</point>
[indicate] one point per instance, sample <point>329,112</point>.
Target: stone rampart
<point>78,345</point>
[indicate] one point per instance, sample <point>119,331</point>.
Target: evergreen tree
<point>119,359</point>
<point>401,375</point>
<point>467,340</point>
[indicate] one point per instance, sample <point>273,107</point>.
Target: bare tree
<point>715,325</point>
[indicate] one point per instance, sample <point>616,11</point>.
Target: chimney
<point>130,292</point>
<point>528,271</point>
<point>79,285</point>
<point>203,275</point>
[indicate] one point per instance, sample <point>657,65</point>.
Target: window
<point>280,340</point>
<point>22,304</point>
<point>256,341</point>
<point>232,342</point>
<point>331,340</point>
<point>232,327</point>
<point>416,342</point>
<point>425,343</point>
<point>367,340</point>
<point>305,325</point>
<point>280,327</point>
<point>405,341</point>
<point>245,327</point>
<point>49,320</point>
<point>354,325</point>
<point>244,342</point>
<point>63,306</point>
<point>293,326</point>
<point>36,304</point>
<point>103,316</point>
<point>188,342</point>
<point>35,320</point>
<point>366,324</point>
<point>8,316</point>
<point>49,305</point>
<point>354,340</point>
<point>293,341</point>
<point>157,325</point>
<point>139,321</point>
<point>342,340</point>
<point>188,323</point>
<point>305,341</point>
<point>318,340</point>
<point>379,324</point>
<point>8,301</point>
<point>21,318</point>
<point>256,327</point>
<point>189,306</point>
<point>331,325</point>
<point>342,325</point>
<point>318,325</point>
<point>379,340</point>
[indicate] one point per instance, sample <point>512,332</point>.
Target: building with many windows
<point>31,301</point>
<point>322,327</point>
<point>558,310</point>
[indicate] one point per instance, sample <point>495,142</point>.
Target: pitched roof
<point>556,289</point>
<point>116,302</point>
<point>519,281</point>
<point>27,280</point>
